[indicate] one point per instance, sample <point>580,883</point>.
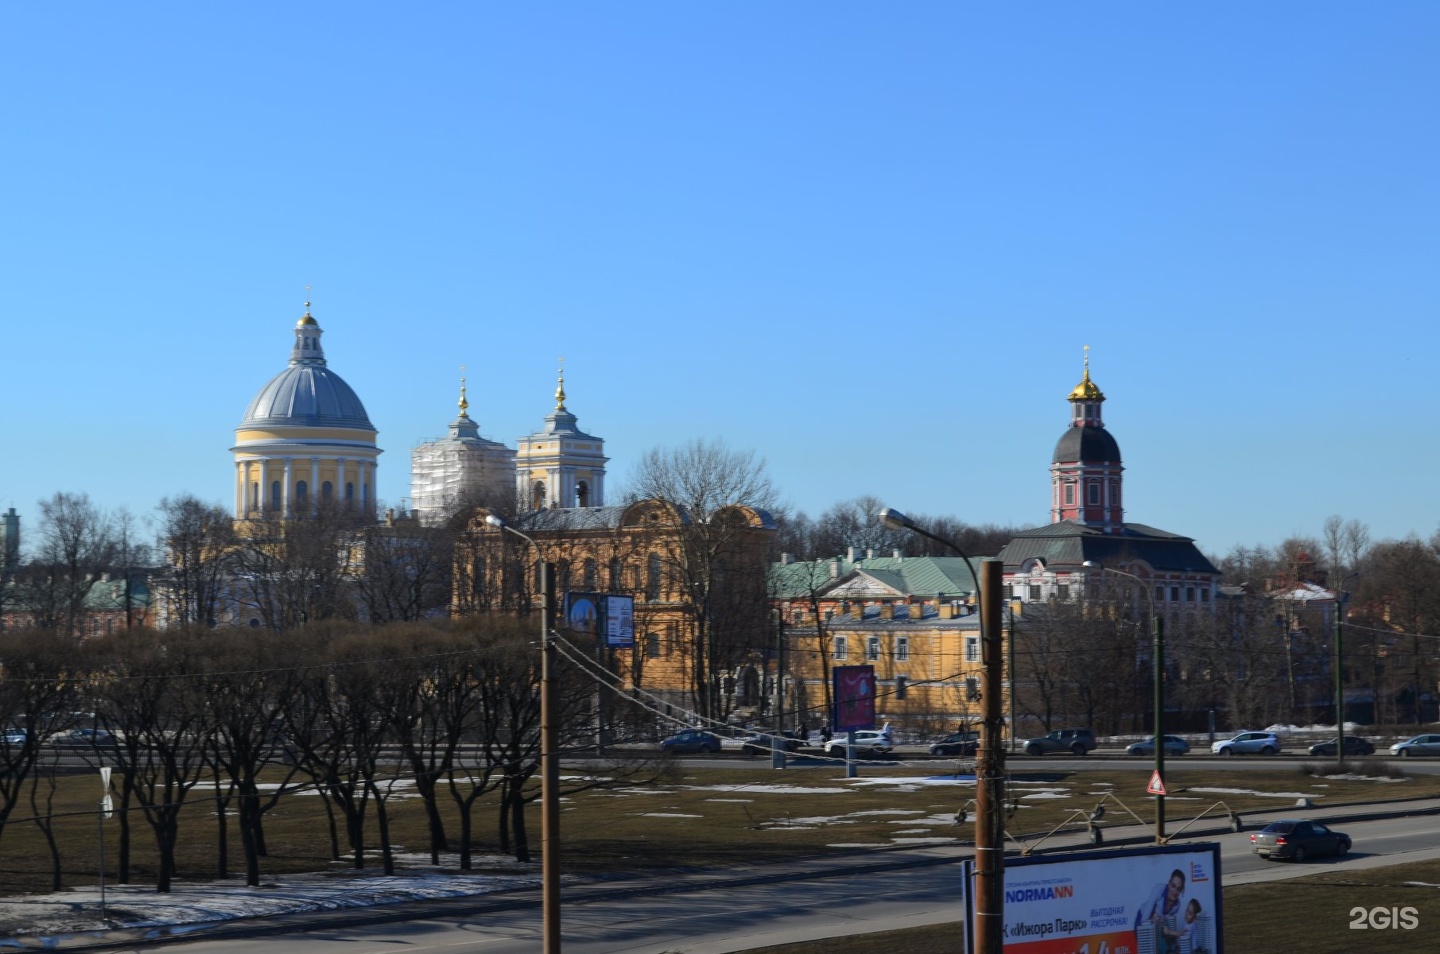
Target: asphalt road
<point>806,900</point>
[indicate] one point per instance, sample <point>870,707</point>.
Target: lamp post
<point>1340,595</point>
<point>988,930</point>
<point>1158,652</point>
<point>549,754</point>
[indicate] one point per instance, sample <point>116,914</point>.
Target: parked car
<point>1248,743</point>
<point>958,744</point>
<point>1354,745</point>
<point>690,742</point>
<point>1174,745</point>
<point>1074,741</point>
<point>16,736</point>
<point>762,744</point>
<point>1298,839</point>
<point>869,743</point>
<point>1419,745</point>
<point>91,737</point>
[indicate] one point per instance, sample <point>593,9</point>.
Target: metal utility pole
<point>549,764</point>
<point>1159,651</point>
<point>549,744</point>
<point>990,773</point>
<point>988,931</point>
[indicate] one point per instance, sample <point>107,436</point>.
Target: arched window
<point>274,495</point>
<point>302,491</point>
<point>582,494</point>
<point>562,575</point>
<point>652,578</point>
<point>537,495</point>
<point>349,494</point>
<point>254,495</point>
<point>616,569</point>
<point>590,576</point>
<point>327,491</point>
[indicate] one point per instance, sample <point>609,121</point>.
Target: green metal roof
<point>907,576</point>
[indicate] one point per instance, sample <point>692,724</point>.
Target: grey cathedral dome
<point>307,393</point>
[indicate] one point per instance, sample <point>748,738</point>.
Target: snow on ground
<point>80,910</point>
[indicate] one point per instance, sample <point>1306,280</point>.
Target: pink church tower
<point>1085,471</point>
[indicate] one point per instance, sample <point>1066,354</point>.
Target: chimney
<point>834,569</point>
<point>870,553</point>
<point>787,558</point>
<point>917,611</point>
<point>947,610</point>
<point>897,554</point>
<point>851,554</point>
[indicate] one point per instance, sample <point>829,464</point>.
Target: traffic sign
<point>1157,784</point>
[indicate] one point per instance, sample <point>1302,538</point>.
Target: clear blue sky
<point>868,241</point>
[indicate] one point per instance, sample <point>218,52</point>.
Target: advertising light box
<point>1159,900</point>
<point>602,615</point>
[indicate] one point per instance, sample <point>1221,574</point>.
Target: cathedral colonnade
<point>296,485</point>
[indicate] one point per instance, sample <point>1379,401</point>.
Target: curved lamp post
<point>1158,652</point>
<point>549,750</point>
<point>990,759</point>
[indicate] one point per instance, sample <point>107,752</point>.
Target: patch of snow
<point>1250,791</point>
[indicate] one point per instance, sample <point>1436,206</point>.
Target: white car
<point>869,743</point>
<point>1248,743</point>
<point>1419,745</point>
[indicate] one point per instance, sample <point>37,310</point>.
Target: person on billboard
<point>1163,902</point>
<point>1192,934</point>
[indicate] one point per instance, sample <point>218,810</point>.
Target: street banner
<point>854,698</point>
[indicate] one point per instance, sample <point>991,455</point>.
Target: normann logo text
<point>1048,893</point>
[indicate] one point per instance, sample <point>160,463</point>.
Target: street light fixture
<point>1158,652</point>
<point>988,930</point>
<point>549,749</point>
<point>1340,601</point>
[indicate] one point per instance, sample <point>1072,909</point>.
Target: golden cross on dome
<point>464,404</point>
<point>560,387</point>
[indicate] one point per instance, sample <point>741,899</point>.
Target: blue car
<point>1174,745</point>
<point>690,742</point>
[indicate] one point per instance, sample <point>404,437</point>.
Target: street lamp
<point>989,925</point>
<point>1339,670</point>
<point>549,754</point>
<point>1158,651</point>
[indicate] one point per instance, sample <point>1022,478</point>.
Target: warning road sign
<point>1157,784</point>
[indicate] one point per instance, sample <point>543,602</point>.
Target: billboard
<point>854,697</point>
<point>1157,900</point>
<point>602,614</point>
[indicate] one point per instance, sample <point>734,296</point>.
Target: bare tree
<point>716,560</point>
<point>198,541</point>
<point>298,570</point>
<point>1405,581</point>
<point>150,702</point>
<point>405,571</point>
<point>248,679</point>
<point>37,689</point>
<point>76,545</point>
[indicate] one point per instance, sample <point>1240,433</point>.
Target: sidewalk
<point>73,920</point>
